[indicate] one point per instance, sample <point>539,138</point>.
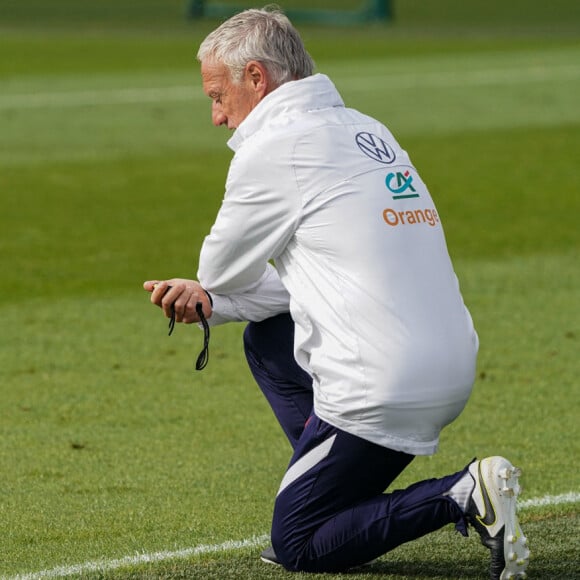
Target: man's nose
<point>217,115</point>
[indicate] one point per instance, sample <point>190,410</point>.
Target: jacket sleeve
<point>267,298</point>
<point>257,219</point>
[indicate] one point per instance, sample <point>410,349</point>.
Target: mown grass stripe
<point>64,99</point>
<point>84,98</point>
<point>230,545</point>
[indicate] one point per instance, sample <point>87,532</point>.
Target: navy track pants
<point>331,512</point>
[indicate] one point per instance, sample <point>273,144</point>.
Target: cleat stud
<point>512,556</point>
<point>521,562</point>
<point>512,539</point>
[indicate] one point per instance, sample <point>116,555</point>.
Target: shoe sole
<point>267,560</point>
<point>504,497</point>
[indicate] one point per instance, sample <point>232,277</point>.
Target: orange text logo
<point>410,217</point>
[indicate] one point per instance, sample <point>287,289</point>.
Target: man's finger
<point>149,285</point>
<point>167,296</point>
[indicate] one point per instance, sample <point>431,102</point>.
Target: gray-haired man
<point>358,336</point>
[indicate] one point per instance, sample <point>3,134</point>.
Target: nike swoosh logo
<point>489,516</point>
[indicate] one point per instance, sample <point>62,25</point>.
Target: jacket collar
<point>308,94</point>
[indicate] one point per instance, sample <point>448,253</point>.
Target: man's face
<point>231,102</point>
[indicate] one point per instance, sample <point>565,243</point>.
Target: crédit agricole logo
<point>400,184</point>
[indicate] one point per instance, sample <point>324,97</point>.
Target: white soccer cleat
<point>492,512</point>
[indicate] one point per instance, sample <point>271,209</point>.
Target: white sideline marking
<point>108,565</point>
<point>549,500</point>
<point>253,542</point>
<point>100,97</point>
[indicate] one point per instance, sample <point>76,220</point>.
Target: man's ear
<point>258,78</point>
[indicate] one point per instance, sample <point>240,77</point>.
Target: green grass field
<point>113,449</point>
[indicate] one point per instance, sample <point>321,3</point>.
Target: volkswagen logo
<point>375,148</point>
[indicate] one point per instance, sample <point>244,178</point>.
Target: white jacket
<point>361,262</point>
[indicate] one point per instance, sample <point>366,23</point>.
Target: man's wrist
<point>209,297</point>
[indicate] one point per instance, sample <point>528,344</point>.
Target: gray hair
<point>265,35</point>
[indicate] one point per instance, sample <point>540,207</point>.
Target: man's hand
<point>182,295</point>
